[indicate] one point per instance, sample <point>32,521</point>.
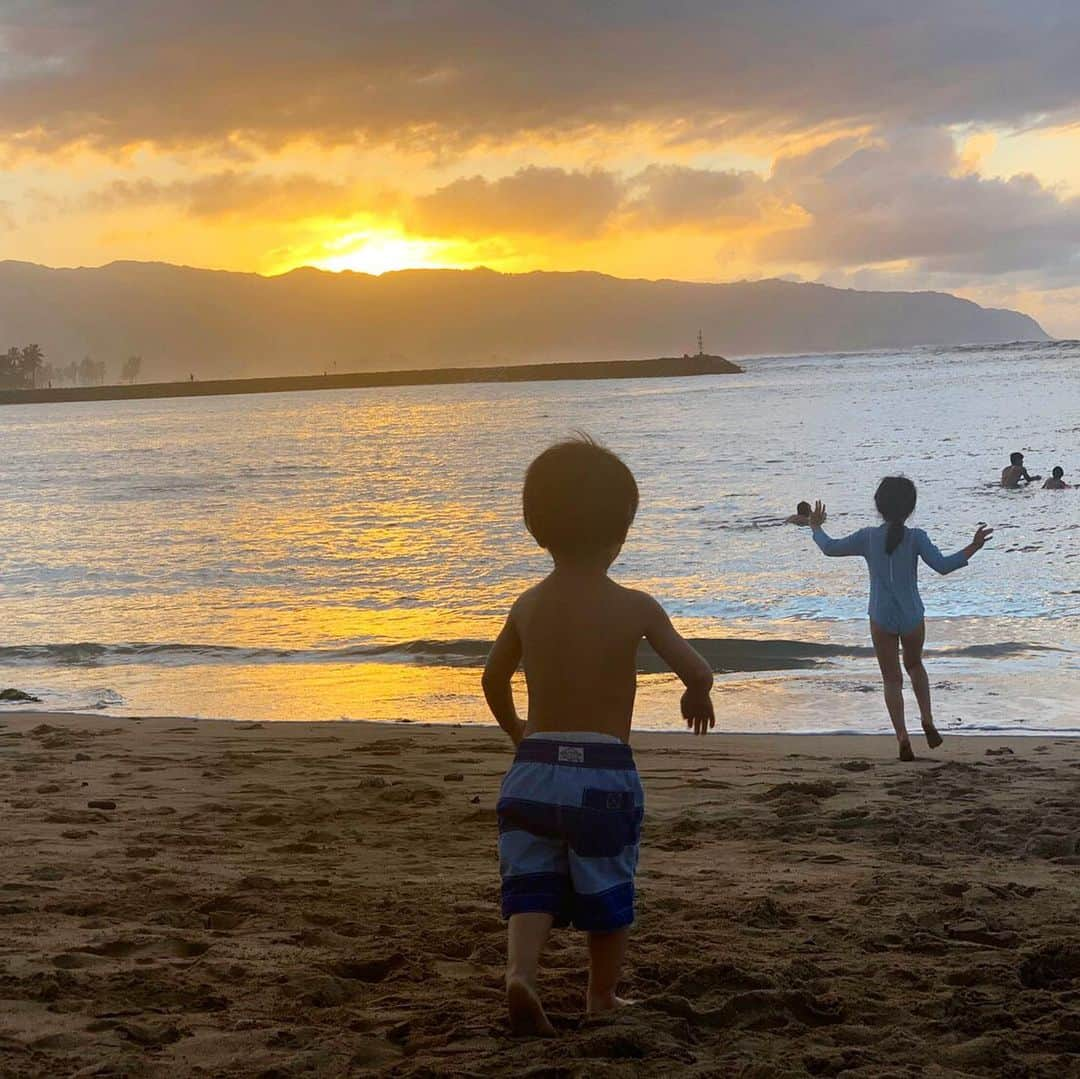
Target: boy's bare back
<point>577,633</point>
<point>579,638</point>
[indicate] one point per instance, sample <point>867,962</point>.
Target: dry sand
<point>205,898</point>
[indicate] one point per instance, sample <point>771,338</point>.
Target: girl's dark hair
<point>1058,472</point>
<point>895,501</point>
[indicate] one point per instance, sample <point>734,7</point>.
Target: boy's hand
<point>697,710</point>
<point>818,515</point>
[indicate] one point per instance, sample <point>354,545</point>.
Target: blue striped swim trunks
<point>570,811</point>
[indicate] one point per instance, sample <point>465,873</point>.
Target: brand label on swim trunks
<point>571,754</point>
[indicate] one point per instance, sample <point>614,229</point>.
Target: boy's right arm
<point>502,662</point>
<point>686,662</point>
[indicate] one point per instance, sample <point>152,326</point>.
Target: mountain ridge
<point>229,324</point>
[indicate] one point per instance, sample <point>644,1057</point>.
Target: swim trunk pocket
<point>610,821</point>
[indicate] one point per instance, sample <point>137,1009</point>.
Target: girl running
<point>892,552</point>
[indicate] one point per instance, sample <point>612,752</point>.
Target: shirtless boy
<point>801,516</point>
<point>1015,473</point>
<point>571,805</point>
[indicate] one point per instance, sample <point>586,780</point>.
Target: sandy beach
<point>209,898</point>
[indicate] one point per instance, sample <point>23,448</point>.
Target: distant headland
<point>177,321</point>
<point>664,367</point>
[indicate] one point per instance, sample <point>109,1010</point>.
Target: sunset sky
<point>876,145</point>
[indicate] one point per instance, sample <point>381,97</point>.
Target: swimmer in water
<point>1016,473</point>
<point>1056,482</point>
<point>801,516</point>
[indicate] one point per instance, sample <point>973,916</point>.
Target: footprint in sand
<point>147,950</point>
<point>1053,966</point>
<point>822,789</point>
<point>370,970</point>
<point>71,961</point>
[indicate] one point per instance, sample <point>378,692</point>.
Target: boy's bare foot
<point>527,1018</point>
<point>905,751</point>
<point>933,739</point>
<point>601,1005</point>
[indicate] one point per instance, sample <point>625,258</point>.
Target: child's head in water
<point>895,501</point>
<point>1058,472</point>
<point>1016,459</point>
<point>579,501</point>
<point>802,509</point>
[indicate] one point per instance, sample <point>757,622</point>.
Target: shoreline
<point>665,367</point>
<point>481,726</point>
<point>244,899</point>
<point>377,727</point>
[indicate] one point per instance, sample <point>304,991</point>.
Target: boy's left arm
<point>685,661</point>
<point>502,662</point>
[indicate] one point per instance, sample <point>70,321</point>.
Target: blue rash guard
<point>895,603</point>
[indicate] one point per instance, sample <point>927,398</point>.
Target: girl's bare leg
<point>913,647</point>
<point>606,954</point>
<point>526,936</point>
<point>887,650</point>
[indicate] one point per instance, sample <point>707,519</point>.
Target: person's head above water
<point>1058,472</point>
<point>579,500</point>
<point>802,509</point>
<point>1016,458</point>
<point>895,501</point>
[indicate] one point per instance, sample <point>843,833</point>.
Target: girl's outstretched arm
<point>948,563</point>
<point>835,548</point>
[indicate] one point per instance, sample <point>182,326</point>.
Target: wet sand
<point>320,899</point>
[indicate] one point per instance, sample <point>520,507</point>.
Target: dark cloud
<point>562,202</point>
<point>540,201</point>
<point>908,199</point>
<point>228,193</point>
<point>456,73</point>
<point>670,196</point>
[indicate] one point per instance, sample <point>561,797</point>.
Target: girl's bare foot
<point>527,1018</point>
<point>905,751</point>
<point>933,739</point>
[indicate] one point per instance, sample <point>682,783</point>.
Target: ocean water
<point>350,554</point>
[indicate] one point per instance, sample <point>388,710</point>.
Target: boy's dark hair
<point>1058,472</point>
<point>895,501</point>
<point>803,509</point>
<point>578,498</point>
<point>1016,458</point>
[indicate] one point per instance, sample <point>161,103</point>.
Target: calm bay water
<point>348,554</point>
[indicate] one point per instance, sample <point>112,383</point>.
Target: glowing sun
<point>376,251</point>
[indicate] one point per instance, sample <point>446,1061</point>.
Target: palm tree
<point>31,361</point>
<point>85,371</point>
<point>9,368</point>
<point>131,368</point>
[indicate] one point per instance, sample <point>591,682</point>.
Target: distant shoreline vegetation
<point>25,370</point>
<point>665,367</point>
